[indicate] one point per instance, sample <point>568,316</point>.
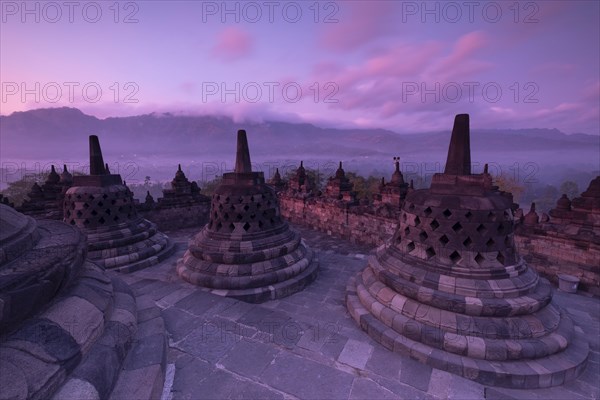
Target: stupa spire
<point>459,152</point>
<point>242,159</point>
<point>96,161</point>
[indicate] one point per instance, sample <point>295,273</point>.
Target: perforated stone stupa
<point>246,250</point>
<point>450,290</point>
<point>103,207</point>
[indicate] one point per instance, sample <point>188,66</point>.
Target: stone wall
<point>179,217</point>
<point>552,253</point>
<point>549,252</point>
<point>357,224</point>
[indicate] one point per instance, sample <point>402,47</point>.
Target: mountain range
<point>61,133</point>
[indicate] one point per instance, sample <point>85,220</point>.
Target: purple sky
<point>373,63</point>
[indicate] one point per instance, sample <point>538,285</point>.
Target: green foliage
<point>509,184</point>
<point>546,198</point>
<point>569,188</point>
<point>317,178</point>
<point>17,190</point>
<point>208,187</point>
<point>364,188</point>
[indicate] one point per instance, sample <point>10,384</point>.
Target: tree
<point>17,190</point>
<point>508,184</point>
<point>208,187</point>
<point>569,188</point>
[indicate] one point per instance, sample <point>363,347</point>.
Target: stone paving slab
<point>306,346</point>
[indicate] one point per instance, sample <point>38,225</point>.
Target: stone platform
<point>221,348</point>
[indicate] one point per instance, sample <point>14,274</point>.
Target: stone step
<point>143,373</point>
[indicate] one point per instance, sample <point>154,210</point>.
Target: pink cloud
<point>232,44</point>
<point>359,22</point>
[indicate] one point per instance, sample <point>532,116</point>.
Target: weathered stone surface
<point>450,289</point>
<point>246,251</point>
<point>103,208</point>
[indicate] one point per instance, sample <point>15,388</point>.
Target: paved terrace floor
<point>306,346</point>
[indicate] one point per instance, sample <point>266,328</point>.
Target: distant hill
<point>58,132</point>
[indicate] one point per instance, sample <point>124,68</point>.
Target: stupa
<point>246,250</point>
<point>46,201</point>
<point>339,187</point>
<point>449,289</point>
<point>103,207</point>
<point>182,192</point>
<point>65,325</point>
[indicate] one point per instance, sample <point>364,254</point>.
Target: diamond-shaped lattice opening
<point>508,241</point>
<point>72,222</point>
<point>232,207</point>
<point>417,221</point>
<point>94,213</point>
<point>218,197</point>
<point>411,207</point>
<point>444,240</point>
<point>246,226</point>
<point>258,206</point>
<point>434,224</point>
<point>252,216</point>
<point>246,207</point>
<point>86,222</point>
<point>491,216</point>
<point>410,247</point>
<point>231,227</point>
<point>272,220</point>
<point>500,258</point>
<point>116,218</point>
<point>506,215</point>
<point>490,242</point>
<point>86,205</point>
<point>225,216</point>
<point>447,213</point>
<point>78,197</point>
<point>101,220</point>
<point>90,197</point>
<point>260,224</point>
<point>107,211</point>
<point>501,228</point>
<point>423,236</point>
<point>427,211</point>
<point>430,252</point>
<point>227,199</point>
<point>481,229</point>
<point>239,217</point>
<point>479,259</point>
<point>469,215</point>
<point>219,226</point>
<point>404,217</point>
<point>467,242</point>
<point>105,196</point>
<point>240,199</point>
<point>406,230</point>
<point>113,202</point>
<point>455,257</point>
<point>100,204</point>
<point>215,215</point>
<point>252,199</point>
<point>220,206</point>
<point>457,227</point>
